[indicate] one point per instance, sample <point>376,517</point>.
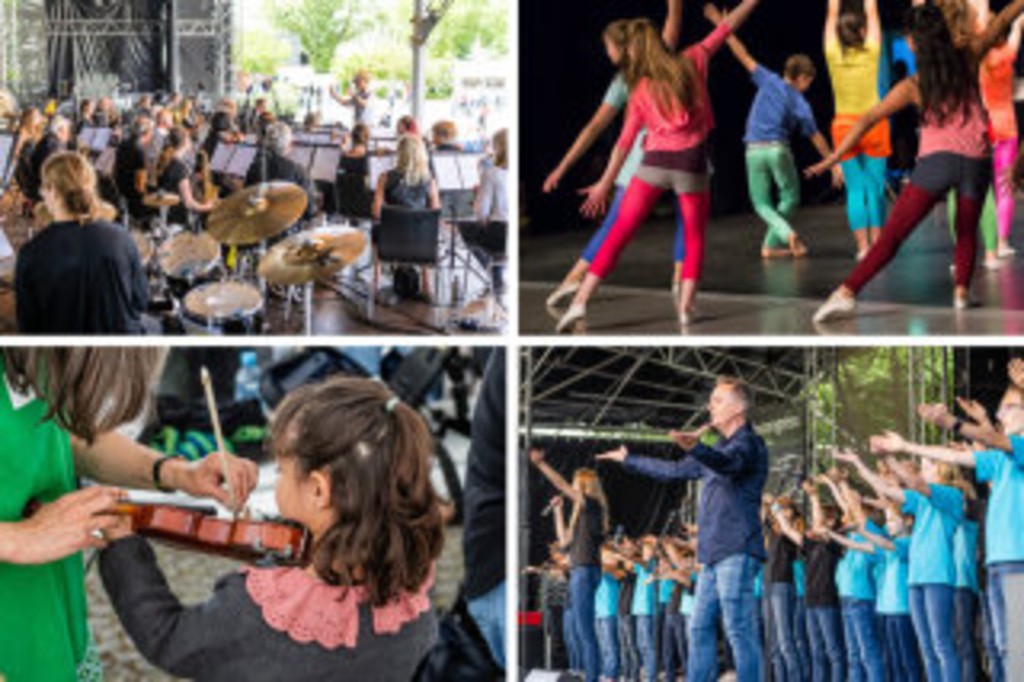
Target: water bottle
<point>247,379</point>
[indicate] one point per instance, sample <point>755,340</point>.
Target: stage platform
<point>743,294</point>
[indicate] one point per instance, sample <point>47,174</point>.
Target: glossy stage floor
<point>742,294</point>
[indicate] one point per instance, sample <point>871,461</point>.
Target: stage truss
<point>25,28</point>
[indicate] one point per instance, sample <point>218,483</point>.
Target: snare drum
<point>224,309</point>
<point>188,260</point>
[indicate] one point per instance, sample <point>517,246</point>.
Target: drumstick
<point>211,403</point>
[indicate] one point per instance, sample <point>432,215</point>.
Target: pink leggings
<point>636,206</point>
<point>1002,160</point>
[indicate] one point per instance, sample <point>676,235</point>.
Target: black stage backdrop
<point>137,61</point>
<point>564,74</point>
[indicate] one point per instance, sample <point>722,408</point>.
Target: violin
<point>196,529</point>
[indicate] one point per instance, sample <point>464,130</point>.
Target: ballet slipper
<point>574,314</point>
<point>564,290</point>
<point>839,304</point>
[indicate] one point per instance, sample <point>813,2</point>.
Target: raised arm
<point>563,537</point>
<point>738,16</point>
<point>876,540</point>
<point>795,536</point>
<point>673,25</point>
<point>892,443</point>
<point>537,457</point>
<point>910,480</point>
<point>846,542</point>
<point>817,514</point>
<point>881,486</point>
<point>939,415</point>
<point>837,494</point>
<point>874,24</point>
<point>831,23</point>
<point>1000,25</point>
<point>739,50</point>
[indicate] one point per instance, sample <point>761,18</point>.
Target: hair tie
<point>392,404</point>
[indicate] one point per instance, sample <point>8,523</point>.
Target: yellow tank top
<point>854,75</point>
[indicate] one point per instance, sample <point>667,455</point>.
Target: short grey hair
<point>59,123</point>
<point>142,126</point>
<point>279,138</point>
<point>740,389</point>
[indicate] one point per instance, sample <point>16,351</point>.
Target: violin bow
<point>211,403</point>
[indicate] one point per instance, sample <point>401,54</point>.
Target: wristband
<point>958,424</point>
<point>157,466</point>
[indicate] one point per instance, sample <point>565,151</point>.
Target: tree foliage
<point>471,24</point>
<point>262,52</point>
<point>321,26</point>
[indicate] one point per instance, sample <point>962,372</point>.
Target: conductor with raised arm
<point>730,545</point>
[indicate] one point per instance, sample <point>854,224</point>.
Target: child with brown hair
<point>354,470</point>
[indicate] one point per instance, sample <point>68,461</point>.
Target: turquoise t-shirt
<point>617,97</point>
<point>893,588</point>
<point>606,602</point>
<point>965,555</point>
<point>855,574</point>
<point>689,600</point>
<point>1004,541</point>
<point>758,583</point>
<point>644,595</point>
<point>665,591</point>
<point>931,544</point>
<point>798,578</point>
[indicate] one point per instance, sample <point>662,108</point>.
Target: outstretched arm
<point>899,98</point>
<point>738,16</point>
<point>909,479</point>
<point>874,24</point>
<point>997,28</point>
<point>876,540</point>
<point>831,22</point>
<point>673,25</point>
<point>739,50</point>
<point>865,547</point>
<point>939,415</point>
<point>881,486</point>
<point>892,443</point>
<point>603,117</point>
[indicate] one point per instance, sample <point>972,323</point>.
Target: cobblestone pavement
<point>192,577</point>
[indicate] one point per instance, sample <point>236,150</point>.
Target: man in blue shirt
<point>730,545</point>
<point>779,110</point>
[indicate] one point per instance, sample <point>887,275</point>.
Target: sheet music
<point>325,164</point>
<point>302,155</point>
<point>251,140</point>
<point>6,250</point>
<point>6,150</point>
<point>105,164</point>
<point>222,157</point>
<point>379,165</point>
<point>85,138</point>
<point>241,161</point>
<point>101,139</point>
<point>469,169</point>
<point>446,171</point>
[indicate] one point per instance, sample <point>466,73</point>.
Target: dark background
<point>565,72</point>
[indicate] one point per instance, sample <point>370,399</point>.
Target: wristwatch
<point>157,466</point>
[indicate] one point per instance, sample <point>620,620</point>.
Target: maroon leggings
<point>912,206</point>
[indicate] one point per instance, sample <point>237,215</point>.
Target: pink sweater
<point>682,129</point>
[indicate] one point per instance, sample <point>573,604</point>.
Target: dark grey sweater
<point>226,637</point>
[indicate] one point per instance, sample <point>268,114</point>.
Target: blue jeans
<point>900,644</point>
<point>988,638</point>
<point>489,613</point>
<point>863,652</point>
<point>997,573</point>
<point>647,644</point>
<point>825,631</point>
<point>931,608</point>
<point>572,644</point>
<point>726,588</point>
<point>594,245</point>
<point>800,638</point>
<point>583,584</point>
<point>965,613</point>
<point>608,639</point>
<point>673,645</point>
<point>785,663</point>
<point>628,656</point>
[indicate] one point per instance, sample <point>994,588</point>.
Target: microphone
<point>551,506</point>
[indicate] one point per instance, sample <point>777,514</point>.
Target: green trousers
<point>989,226</point>
<point>771,171</point>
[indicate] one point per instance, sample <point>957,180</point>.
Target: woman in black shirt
<point>587,529</point>
<point>176,177</point>
<point>80,275</point>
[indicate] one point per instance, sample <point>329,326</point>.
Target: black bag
<point>406,282</point>
<point>307,367</point>
<point>461,652</point>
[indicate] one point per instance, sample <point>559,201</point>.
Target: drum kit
<point>192,282</point>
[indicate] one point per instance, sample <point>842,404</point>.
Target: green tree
<point>321,26</point>
<point>472,24</point>
<point>261,52</point>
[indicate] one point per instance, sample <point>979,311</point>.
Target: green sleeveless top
<point>44,632</point>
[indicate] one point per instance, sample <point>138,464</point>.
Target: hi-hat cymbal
<point>43,217</point>
<point>257,213</point>
<point>161,200</point>
<point>312,255</point>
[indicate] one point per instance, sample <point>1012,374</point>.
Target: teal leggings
<point>865,191</point>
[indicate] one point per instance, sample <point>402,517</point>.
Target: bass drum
<point>223,309</point>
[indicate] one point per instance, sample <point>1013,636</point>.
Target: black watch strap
<point>957,426</point>
<point>157,467</point>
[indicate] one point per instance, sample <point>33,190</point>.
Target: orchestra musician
<point>57,139</point>
<point>272,164</point>
<point>175,177</point>
<point>131,171</point>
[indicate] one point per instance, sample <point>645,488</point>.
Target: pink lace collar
<point>309,610</point>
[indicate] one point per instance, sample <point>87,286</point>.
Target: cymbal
<point>43,218</point>
<point>161,200</point>
<point>312,255</point>
<point>258,213</point>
